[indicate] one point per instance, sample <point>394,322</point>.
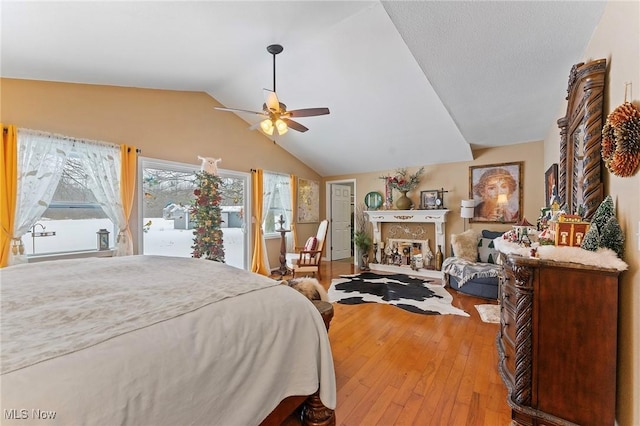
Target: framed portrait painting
<point>551,184</point>
<point>308,201</point>
<point>497,192</point>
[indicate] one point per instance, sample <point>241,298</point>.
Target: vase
<point>439,257</point>
<point>403,202</point>
<point>364,262</point>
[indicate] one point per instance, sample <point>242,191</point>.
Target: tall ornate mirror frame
<point>580,169</point>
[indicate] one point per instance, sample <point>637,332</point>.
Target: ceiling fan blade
<point>308,112</point>
<point>271,100</point>
<point>255,126</point>
<point>239,110</point>
<point>295,125</point>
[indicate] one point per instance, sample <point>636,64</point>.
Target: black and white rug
<point>413,294</point>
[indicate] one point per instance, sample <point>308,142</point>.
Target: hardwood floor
<point>398,368</point>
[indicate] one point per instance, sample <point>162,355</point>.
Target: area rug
<point>414,294</point>
<point>489,313</point>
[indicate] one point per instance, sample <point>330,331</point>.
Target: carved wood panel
<point>580,170</point>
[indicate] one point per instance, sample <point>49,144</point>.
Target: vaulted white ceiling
<point>408,83</point>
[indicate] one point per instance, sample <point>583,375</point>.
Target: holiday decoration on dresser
<point>621,140</point>
<point>605,230</point>
<point>207,215</point>
<point>569,230</point>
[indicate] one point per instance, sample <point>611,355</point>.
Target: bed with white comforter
<point>154,340</point>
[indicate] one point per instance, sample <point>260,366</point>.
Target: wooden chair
<point>308,257</point>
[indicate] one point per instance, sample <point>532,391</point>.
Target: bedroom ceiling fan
<point>276,117</point>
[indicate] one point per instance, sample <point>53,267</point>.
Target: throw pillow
<point>491,234</point>
<point>487,252</point>
<point>311,244</point>
<point>465,245</point>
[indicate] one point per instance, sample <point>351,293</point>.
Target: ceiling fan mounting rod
<point>274,49</point>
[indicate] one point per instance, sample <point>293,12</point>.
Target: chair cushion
<point>465,245</point>
<point>487,252</point>
<point>311,244</point>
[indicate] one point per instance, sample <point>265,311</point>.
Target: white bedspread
<point>155,340</point>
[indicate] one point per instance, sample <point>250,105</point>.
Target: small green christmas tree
<point>612,237</point>
<point>602,214</point>
<point>605,230</point>
<point>207,215</point>
<point>591,239</point>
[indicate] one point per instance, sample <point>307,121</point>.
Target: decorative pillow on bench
<point>465,245</point>
<point>487,253</point>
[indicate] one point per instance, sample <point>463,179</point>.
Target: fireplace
<point>436,217</point>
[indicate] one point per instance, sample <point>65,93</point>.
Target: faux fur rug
<point>414,294</point>
<point>489,313</point>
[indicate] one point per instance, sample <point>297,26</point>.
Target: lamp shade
<point>267,126</point>
<point>281,126</point>
<point>466,209</point>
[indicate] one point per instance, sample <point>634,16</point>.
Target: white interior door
<point>340,221</point>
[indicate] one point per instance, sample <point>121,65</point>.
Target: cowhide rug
<point>413,294</point>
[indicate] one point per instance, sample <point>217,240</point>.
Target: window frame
<point>287,224</point>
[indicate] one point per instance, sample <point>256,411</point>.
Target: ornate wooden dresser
<point>557,341</point>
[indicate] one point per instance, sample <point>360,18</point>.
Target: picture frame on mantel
<point>497,192</point>
<point>429,199</point>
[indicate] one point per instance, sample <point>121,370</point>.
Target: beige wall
<point>167,125</point>
<point>454,177</point>
<point>617,39</point>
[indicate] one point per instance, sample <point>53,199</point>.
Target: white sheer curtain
<point>269,182</point>
<point>102,161</point>
<point>285,202</point>
<point>41,159</point>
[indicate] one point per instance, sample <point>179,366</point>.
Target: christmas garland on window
<point>621,140</point>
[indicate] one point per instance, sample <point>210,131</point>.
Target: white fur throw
<point>603,257</point>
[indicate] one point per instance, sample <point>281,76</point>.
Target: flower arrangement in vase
<point>404,182</point>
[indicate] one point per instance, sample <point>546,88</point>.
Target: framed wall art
<point>429,199</point>
<point>551,184</point>
<point>497,192</point>
<point>308,201</point>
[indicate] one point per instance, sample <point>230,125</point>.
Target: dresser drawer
<point>507,352</point>
<point>510,358</point>
<point>507,324</point>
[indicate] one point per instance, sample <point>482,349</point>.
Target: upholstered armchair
<point>307,258</point>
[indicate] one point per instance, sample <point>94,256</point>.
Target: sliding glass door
<point>166,196</point>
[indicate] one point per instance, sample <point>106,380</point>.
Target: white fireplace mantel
<point>437,217</point>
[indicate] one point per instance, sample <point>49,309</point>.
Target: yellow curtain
<point>293,184</point>
<point>128,157</point>
<point>259,251</point>
<point>8,187</point>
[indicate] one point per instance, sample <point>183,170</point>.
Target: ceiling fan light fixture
<point>281,126</point>
<point>278,118</point>
<point>267,126</point>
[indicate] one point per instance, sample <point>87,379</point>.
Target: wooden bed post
<point>316,414</point>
